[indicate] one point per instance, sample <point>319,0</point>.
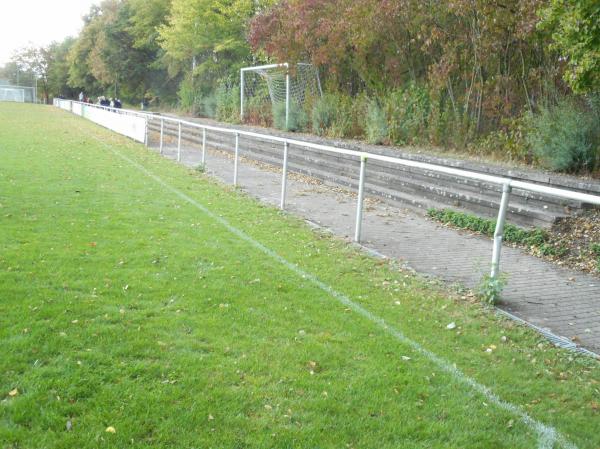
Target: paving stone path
<point>563,301</point>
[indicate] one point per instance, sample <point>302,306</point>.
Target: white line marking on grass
<point>547,436</point>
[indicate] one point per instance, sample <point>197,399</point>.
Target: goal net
<point>277,91</point>
<point>12,94</point>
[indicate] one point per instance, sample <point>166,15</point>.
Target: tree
<point>108,55</point>
<point>575,29</point>
<point>58,71</point>
<point>485,59</point>
<point>9,72</point>
<point>34,62</point>
<point>208,37</point>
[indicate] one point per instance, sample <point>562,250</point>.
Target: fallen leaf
<point>13,393</point>
<point>451,326</point>
<point>111,429</point>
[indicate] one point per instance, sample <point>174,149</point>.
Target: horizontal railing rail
<point>506,183</point>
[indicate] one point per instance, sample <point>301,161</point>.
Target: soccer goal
<point>19,94</point>
<point>15,94</point>
<point>281,86</point>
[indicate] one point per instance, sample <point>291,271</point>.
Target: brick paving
<point>564,301</point>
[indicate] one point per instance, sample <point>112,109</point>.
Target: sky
<point>39,22</point>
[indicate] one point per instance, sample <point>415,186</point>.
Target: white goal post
<point>283,86</point>
<point>17,94</point>
<point>14,94</point>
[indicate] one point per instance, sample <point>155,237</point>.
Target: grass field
<point>144,305</point>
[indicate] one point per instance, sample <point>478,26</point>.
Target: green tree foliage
<point>33,64</point>
<point>575,28</point>
<point>9,71</point>
<point>58,71</point>
<point>207,38</point>
<point>116,52</point>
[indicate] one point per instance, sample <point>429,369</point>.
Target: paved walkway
<point>563,301</point>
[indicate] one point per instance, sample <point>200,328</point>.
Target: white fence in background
<point>127,123</point>
<point>121,121</point>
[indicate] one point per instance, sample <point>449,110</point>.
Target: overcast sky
<point>39,22</point>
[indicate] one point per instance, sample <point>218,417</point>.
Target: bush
<point>563,137</point>
<point>187,95</point>
<point>208,106</point>
<point>227,99</point>
<point>332,115</point>
<point>360,109</point>
<point>508,142</point>
<point>342,121</point>
<point>376,124</point>
<point>323,114</point>
<point>407,111</point>
<point>297,119</point>
<point>259,111</point>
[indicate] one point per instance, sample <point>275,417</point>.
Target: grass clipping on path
<point>128,318</point>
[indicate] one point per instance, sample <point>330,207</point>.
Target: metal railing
<point>507,184</point>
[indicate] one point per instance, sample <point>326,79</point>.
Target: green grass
<point>124,305</point>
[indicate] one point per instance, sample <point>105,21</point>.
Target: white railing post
<point>146,132</point>
<point>179,142</point>
<point>162,128</point>
<point>287,99</point>
<point>242,95</point>
<point>284,175</point>
<point>499,232</point>
<point>235,160</point>
<point>203,146</point>
<point>361,194</point>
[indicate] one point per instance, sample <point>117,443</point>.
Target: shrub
<point>332,116</point>
<point>187,95</point>
<point>563,137</point>
<point>360,108</point>
<point>208,106</point>
<point>508,142</point>
<point>259,111</point>
<point>342,120</point>
<point>227,99</point>
<point>448,125</point>
<point>323,114</point>
<point>439,118</point>
<point>376,124</point>
<point>407,111</point>
<point>297,118</point>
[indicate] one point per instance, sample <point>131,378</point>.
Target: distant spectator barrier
<point>127,123</point>
<point>124,121</point>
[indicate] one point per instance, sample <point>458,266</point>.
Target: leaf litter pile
<point>580,238</point>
